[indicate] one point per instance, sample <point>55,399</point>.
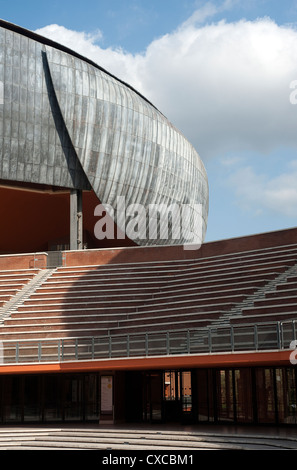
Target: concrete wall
<point>38,221</point>
<point>135,254</point>
<point>144,254</point>
<point>28,261</point>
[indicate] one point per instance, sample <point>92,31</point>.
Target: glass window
<point>11,399</point>
<point>156,396</point>
<point>52,398</point>
<point>73,406</point>
<point>225,398</point>
<point>171,381</point>
<point>243,395</point>
<point>186,392</point>
<point>286,395</point>
<point>32,398</point>
<point>265,395</point>
<point>91,397</point>
<point>205,395</point>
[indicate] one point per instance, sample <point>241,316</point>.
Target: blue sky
<point>128,24</point>
<point>219,70</point>
<point>133,24</point>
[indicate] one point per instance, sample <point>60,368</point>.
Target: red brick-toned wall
<point>32,220</point>
<point>143,254</point>
<point>26,261</point>
<point>250,242</point>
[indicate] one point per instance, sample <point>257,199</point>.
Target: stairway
<point>129,439</point>
<point>236,311</point>
<point>12,305</point>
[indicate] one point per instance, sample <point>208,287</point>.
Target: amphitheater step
<point>113,438</point>
<point>9,307</point>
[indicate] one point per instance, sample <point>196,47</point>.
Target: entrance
<point>152,399</point>
<point>260,395</point>
<point>168,397</point>
<point>177,396</point>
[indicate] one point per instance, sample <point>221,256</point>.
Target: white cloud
<point>208,10</point>
<point>225,85</point>
<point>72,39</point>
<point>116,61</point>
<point>259,193</point>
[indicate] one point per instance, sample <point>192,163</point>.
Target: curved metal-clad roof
<point>68,122</point>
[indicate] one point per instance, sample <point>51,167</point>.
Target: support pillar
<point>76,220</point>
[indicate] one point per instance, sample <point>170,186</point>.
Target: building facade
<point>151,331</point>
<point>67,124</point>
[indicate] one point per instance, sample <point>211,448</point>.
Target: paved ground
<point>146,438</point>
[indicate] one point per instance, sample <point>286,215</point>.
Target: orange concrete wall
<point>30,220</point>
<point>33,221</point>
<point>260,359</point>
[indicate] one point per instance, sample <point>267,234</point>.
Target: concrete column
<point>76,220</point>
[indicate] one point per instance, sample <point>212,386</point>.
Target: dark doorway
<point>152,397</point>
<point>133,396</point>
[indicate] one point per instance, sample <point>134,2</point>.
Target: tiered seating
<point>145,297</point>
<point>277,305</point>
<point>12,281</point>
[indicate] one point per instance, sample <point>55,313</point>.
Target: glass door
<point>243,395</point>
<point>286,395</point>
<point>73,406</point>
<point>265,393</point>
<point>32,398</point>
<point>186,396</point>
<point>171,396</point>
<point>152,398</point>
<point>53,398</point>
<point>12,391</point>
<point>177,396</point>
<point>91,397</point>
<point>225,395</point>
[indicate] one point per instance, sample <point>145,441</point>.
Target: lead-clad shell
<point>68,123</point>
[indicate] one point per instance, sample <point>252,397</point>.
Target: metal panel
<point>66,122</point>
<point>138,153</point>
<point>33,138</point>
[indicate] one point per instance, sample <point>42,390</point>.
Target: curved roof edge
<point>49,42</point>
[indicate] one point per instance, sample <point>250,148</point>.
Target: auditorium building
<point>113,308</point>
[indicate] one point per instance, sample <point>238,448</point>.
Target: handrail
<point>213,339</point>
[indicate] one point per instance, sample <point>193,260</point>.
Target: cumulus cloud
<point>226,86</point>
<point>73,39</point>
<point>116,61</point>
<point>258,192</point>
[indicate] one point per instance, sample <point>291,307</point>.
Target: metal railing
<point>241,337</point>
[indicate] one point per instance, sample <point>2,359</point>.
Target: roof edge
<point>49,42</point>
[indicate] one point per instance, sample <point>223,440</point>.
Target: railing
<point>241,337</point>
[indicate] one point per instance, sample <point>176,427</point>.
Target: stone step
<point>139,439</point>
